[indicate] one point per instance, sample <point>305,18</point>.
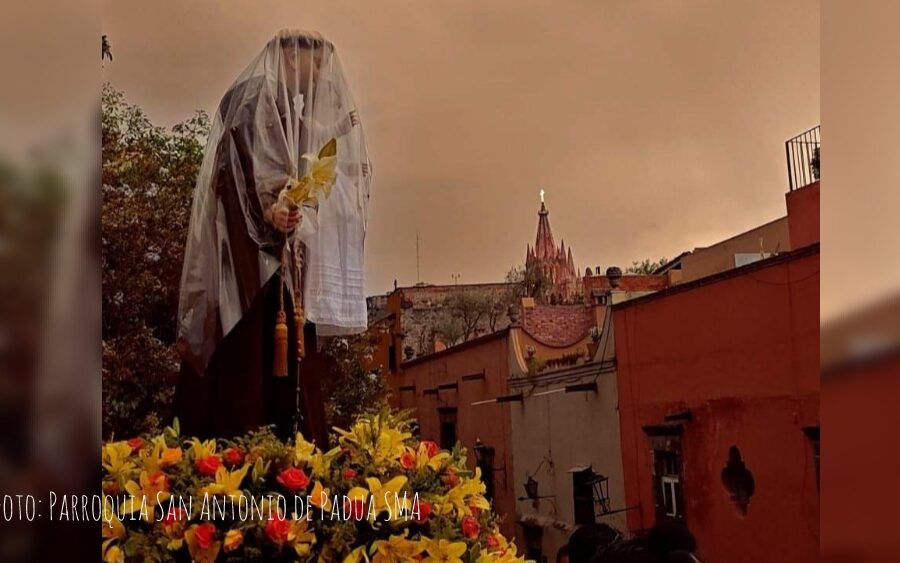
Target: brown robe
<point>238,392</point>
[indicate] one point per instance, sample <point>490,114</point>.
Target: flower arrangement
<point>379,496</point>
<point>318,179</point>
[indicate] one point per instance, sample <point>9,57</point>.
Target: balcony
<point>802,154</point>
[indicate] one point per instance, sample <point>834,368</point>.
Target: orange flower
<point>233,540</point>
<point>170,456</point>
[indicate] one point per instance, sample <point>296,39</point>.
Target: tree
<point>529,281</point>
<point>147,176</point>
<point>351,389</point>
<point>646,267</point>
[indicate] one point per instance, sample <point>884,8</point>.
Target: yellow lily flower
<point>435,462</point>
<point>115,460</point>
<point>319,497</point>
<point>385,494</point>
<point>376,437</point>
<point>112,554</point>
<point>112,527</point>
<point>320,463</point>
<point>444,551</point>
<point>303,450</point>
<point>396,549</point>
<point>201,449</point>
<point>301,538</point>
<point>358,555</point>
<point>153,488</point>
<point>228,483</point>
<point>469,493</point>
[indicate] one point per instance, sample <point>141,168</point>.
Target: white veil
<point>290,100</point>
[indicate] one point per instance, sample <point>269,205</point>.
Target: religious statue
<point>274,255</point>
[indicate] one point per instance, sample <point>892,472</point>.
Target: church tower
<point>556,262</point>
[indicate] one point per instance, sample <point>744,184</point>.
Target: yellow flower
<point>396,549</point>
<point>301,538</point>
<point>153,487</point>
<point>444,551</point>
<point>469,493</point>
<point>319,177</point>
<point>115,460</point>
<point>228,483</point>
<point>384,495</point>
<point>319,497</point>
<point>233,540</point>
<point>378,437</point>
<point>320,463</point>
<point>358,555</point>
<point>303,449</point>
<point>201,449</point>
<point>113,554</point>
<point>112,526</point>
<point>434,462</point>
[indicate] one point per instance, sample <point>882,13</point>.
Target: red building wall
<point>740,351</point>
<point>490,422</point>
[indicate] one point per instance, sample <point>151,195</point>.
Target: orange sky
<point>654,127</point>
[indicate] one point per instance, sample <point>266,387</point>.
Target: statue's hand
<point>283,218</point>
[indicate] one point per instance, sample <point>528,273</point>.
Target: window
<point>392,358</point>
<point>669,483</point>
<point>668,476</point>
<point>583,495</point>
<point>812,433</point>
<point>447,418</point>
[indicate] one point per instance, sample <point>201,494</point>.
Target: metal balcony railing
<point>802,154</point>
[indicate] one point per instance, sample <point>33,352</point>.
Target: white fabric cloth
<point>334,293</point>
<point>290,100</point>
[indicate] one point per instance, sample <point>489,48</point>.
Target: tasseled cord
<point>280,365</point>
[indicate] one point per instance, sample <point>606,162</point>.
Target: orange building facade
<point>718,383</point>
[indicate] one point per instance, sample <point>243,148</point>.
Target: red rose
<point>293,479</point>
<point>136,444</point>
<point>470,527</point>
<point>350,473</point>
<point>492,542</point>
<point>424,512</point>
<point>208,465</point>
<point>205,534</point>
<point>356,508</point>
<point>475,511</point>
<point>234,456</point>
<point>278,528</point>
<point>408,460</point>
<point>431,448</point>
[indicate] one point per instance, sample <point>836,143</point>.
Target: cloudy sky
<point>653,126</point>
